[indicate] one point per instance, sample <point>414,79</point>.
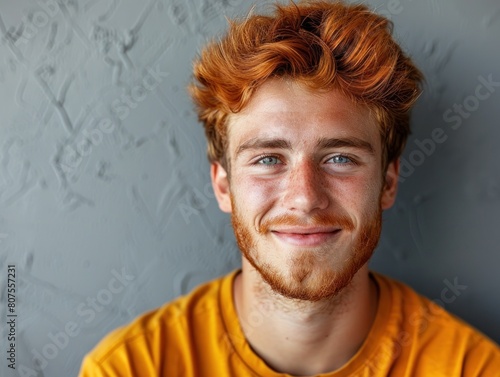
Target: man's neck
<point>285,332</point>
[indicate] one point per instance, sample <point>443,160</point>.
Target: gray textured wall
<point>105,204</point>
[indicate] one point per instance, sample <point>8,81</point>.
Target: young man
<point>306,113</point>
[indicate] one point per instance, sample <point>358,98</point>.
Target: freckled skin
<point>303,182</point>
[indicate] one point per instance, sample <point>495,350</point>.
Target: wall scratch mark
<point>51,97</point>
<point>10,43</point>
<point>140,204</point>
<point>73,24</point>
<point>52,37</point>
<point>107,13</point>
<point>490,19</point>
<point>142,18</point>
<point>26,182</point>
<point>61,96</point>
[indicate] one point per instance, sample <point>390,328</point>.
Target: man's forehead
<point>280,109</point>
<point>277,98</point>
<point>272,95</point>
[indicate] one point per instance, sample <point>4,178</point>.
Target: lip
<point>306,236</point>
<point>306,230</point>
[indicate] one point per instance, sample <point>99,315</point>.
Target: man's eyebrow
<point>348,142</point>
<point>259,143</point>
<point>323,143</point>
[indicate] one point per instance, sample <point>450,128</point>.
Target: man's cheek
<point>258,193</point>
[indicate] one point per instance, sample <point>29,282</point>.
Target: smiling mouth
<point>306,237</point>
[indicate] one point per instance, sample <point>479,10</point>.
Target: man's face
<point>306,188</point>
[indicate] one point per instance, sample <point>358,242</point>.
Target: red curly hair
<point>324,45</point>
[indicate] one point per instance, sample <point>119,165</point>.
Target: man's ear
<point>220,184</point>
<point>390,188</point>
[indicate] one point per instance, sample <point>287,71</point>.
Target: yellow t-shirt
<point>200,335</point>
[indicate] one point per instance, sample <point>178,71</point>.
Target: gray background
<point>104,174</point>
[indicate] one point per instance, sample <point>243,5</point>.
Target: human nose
<point>305,188</point>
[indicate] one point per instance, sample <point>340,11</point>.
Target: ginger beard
<point>311,274</point>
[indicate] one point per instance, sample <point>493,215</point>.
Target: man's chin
<point>307,284</point>
<point>310,292</point>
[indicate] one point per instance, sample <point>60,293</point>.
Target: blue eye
<point>268,160</point>
<point>339,159</point>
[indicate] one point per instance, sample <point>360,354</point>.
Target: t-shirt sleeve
<point>483,359</point>
<point>90,368</point>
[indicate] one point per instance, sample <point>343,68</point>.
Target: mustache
<point>318,219</point>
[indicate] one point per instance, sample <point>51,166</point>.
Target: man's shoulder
<point>163,326</point>
<point>416,310</point>
<point>422,329</point>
